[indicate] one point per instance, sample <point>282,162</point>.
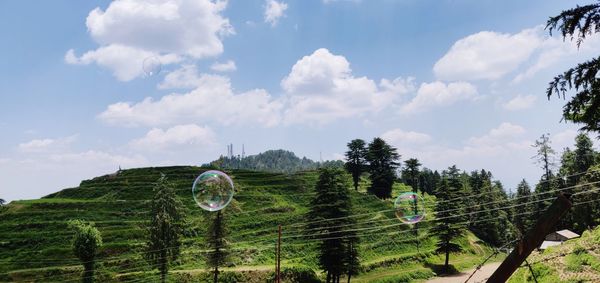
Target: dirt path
<point>485,272</point>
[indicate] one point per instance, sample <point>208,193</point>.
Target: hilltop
<point>279,160</point>
<point>35,239</point>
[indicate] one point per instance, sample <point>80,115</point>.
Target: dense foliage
<point>86,241</point>
<point>280,161</point>
<point>356,162</point>
<point>382,159</point>
<point>584,107</point>
<point>447,226</point>
<point>410,173</point>
<point>330,222</point>
<point>165,227</point>
<point>217,243</point>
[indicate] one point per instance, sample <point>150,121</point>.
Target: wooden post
<point>533,239</point>
<point>278,271</point>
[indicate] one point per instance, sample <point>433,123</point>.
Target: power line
<point>387,234</point>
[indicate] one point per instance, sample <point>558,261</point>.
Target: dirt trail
<point>480,276</point>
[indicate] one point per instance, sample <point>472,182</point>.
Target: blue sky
<point>448,82</point>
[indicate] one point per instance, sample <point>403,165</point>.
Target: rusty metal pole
<point>533,239</point>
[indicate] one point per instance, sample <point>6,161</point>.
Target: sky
<point>91,86</point>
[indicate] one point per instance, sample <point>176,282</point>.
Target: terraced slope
<point>576,260</point>
<point>35,239</point>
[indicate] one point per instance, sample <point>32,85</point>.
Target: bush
<point>296,275</point>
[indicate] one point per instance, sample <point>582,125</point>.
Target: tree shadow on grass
<point>439,269</point>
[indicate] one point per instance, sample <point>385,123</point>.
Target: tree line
<point>279,161</point>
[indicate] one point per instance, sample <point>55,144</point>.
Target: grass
<point>35,239</point>
<point>577,260</point>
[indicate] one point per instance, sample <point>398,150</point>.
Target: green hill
<point>279,160</point>
<point>577,260</point>
<point>35,239</point>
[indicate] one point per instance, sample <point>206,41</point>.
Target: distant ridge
<point>278,161</point>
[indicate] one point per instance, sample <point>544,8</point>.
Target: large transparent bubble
<point>213,190</point>
<point>410,208</point>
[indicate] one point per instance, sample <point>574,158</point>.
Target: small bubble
<point>151,66</point>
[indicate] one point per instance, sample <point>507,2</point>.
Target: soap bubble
<point>410,208</point>
<point>151,66</point>
<point>212,190</point>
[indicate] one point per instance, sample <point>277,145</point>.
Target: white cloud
<point>185,77</point>
<point>504,134</point>
<point>506,145</point>
<point>99,157</point>
<point>563,139</point>
<point>437,94</point>
<point>46,145</point>
<point>125,62</point>
<point>228,66</point>
<point>338,156</point>
<point>492,55</point>
<point>212,100</point>
<point>555,50</point>
<point>129,31</point>
<point>177,136</point>
<point>487,55</point>
<point>274,11</point>
<point>520,102</point>
<point>320,88</point>
<point>317,72</point>
<point>399,137</point>
<point>59,170</point>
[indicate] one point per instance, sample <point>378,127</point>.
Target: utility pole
<point>533,239</point>
<point>351,264</point>
<point>278,267</point>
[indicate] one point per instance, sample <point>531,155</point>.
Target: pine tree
<point>522,222</point>
<point>86,241</point>
<point>579,23</point>
<point>355,160</point>
<point>584,153</point>
<point>545,155</point>
<point>329,211</point>
<point>382,160</point>
<point>410,173</point>
<point>216,239</point>
<point>165,227</point>
<point>584,157</point>
<point>446,227</point>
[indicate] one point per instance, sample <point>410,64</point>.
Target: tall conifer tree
<point>356,162</point>
<point>165,227</point>
<point>382,160</point>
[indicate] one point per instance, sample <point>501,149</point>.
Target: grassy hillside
<point>577,260</point>
<point>35,239</point>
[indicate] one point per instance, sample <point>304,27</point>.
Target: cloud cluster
<point>180,135</point>
<point>319,89</point>
<point>213,100</point>
<point>520,102</point>
<point>437,94</point>
<point>228,66</point>
<point>503,149</point>
<point>46,144</point>
<point>129,31</point>
<point>489,55</point>
<point>274,10</point>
